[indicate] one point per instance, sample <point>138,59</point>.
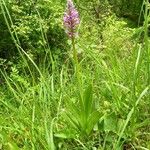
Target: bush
<point>127,8</point>
<point>38,27</point>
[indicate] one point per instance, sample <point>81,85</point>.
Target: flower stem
<point>75,57</point>
<point>77,70</point>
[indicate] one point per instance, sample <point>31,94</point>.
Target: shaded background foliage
<point>33,18</point>
<point>107,44</point>
<point>37,25</point>
<point>127,8</point>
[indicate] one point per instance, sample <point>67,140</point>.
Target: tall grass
<point>106,109</point>
<point>33,110</point>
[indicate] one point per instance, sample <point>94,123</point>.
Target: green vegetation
<point>91,93</point>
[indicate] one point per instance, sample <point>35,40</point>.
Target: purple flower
<point>71,19</point>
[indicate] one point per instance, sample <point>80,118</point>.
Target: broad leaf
<point>88,101</point>
<point>93,119</point>
<point>110,123</point>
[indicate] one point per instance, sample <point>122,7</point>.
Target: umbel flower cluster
<point>71,19</point>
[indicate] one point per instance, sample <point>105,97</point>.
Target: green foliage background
<point>31,18</point>
<point>39,96</point>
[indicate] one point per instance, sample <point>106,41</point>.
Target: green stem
<point>146,42</point>
<point>75,57</point>
<point>76,64</point>
<point>77,71</point>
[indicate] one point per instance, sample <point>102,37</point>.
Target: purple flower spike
<point>71,19</point>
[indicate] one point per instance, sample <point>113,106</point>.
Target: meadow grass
<point>40,107</point>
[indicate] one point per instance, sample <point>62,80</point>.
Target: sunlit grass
<point>40,107</point>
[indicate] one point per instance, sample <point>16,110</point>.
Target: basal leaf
<point>110,123</point>
<point>92,120</point>
<point>88,101</point>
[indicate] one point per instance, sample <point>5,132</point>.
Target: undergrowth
<point>39,95</point>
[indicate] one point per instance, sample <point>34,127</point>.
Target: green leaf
<point>75,110</point>
<point>110,123</point>
<point>88,101</point>
<point>70,118</point>
<point>67,134</point>
<point>11,146</point>
<point>93,119</point>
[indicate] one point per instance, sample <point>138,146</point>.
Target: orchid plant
<point>83,116</point>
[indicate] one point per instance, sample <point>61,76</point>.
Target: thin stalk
<point>146,42</point>
<point>77,69</point>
